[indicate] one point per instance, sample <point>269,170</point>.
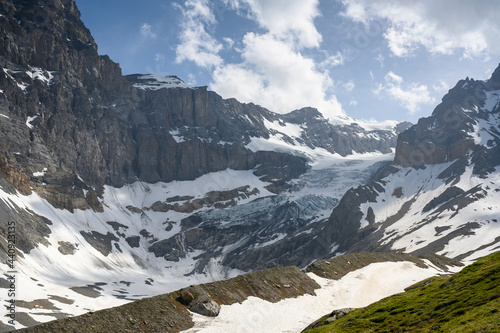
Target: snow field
<point>357,289</point>
<point>122,276</point>
<point>414,231</point>
<point>156,82</point>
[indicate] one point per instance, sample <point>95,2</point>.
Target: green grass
<point>469,301</point>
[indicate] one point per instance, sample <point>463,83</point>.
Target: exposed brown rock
<point>66,248</point>
<point>19,179</point>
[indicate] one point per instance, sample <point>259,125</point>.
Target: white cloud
<point>349,86</point>
<point>394,78</point>
<point>276,77</point>
<point>196,44</point>
<point>380,58</point>
<point>229,42</point>
<point>273,71</point>
<point>441,88</point>
<point>410,96</point>
<point>336,60</point>
<point>441,27</point>
<point>289,20</point>
<point>147,32</point>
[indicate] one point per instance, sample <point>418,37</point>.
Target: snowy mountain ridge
<point>150,189</point>
<point>153,185</point>
<point>155,82</point>
<point>453,159</point>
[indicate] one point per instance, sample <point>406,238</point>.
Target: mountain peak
<point>495,77</point>
<point>155,82</point>
<point>183,186</point>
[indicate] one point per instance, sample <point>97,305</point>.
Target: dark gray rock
<point>133,241</point>
<point>90,121</point>
<point>342,139</point>
<point>445,136</point>
<point>30,228</point>
<point>448,194</point>
<point>207,307</point>
<point>100,242</point>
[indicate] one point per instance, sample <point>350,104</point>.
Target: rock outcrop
<point>461,141</point>
<point>70,112</point>
<point>458,144</point>
<point>445,136</point>
<point>71,123</point>
<point>169,312</point>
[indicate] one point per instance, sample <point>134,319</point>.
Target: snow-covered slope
<point>442,193</point>
<point>92,260</point>
<point>119,188</point>
<point>459,221</point>
<point>280,299</point>
<point>357,289</point>
<point>155,82</point>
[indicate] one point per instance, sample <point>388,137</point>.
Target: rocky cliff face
<point>70,112</point>
<point>72,124</point>
<point>440,193</point>
<point>150,177</point>
<point>445,136</point>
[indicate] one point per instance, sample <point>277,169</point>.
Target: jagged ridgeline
<point>71,123</point>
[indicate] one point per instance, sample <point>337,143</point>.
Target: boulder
<point>186,297</point>
<point>206,307</point>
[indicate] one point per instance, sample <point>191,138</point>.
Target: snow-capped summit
<point>152,189</point>
<point>155,82</point>
<point>149,183</point>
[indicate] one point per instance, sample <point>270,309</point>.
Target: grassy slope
<point>467,302</point>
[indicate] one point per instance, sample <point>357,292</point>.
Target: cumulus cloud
<point>290,20</point>
<point>275,76</point>
<point>196,43</point>
<point>147,31</point>
<point>441,27</point>
<point>410,96</point>
<point>273,70</point>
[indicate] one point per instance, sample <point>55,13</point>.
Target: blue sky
<point>368,59</point>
